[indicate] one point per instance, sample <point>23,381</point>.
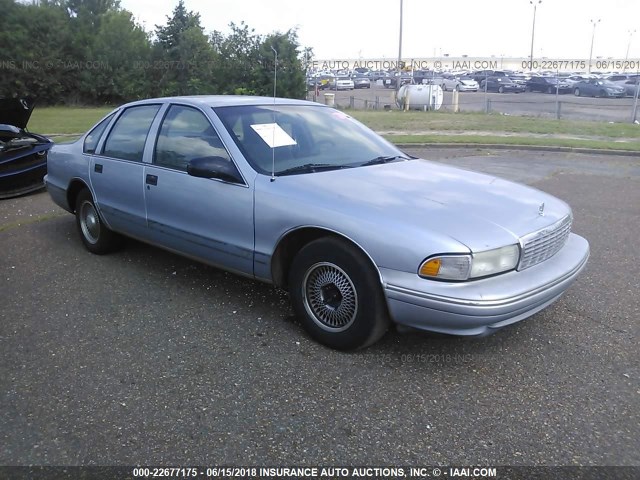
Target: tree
<point>291,78</point>
<point>183,54</point>
<point>238,58</point>
<point>121,52</point>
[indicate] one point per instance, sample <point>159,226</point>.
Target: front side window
<point>186,134</point>
<point>303,135</point>
<point>129,134</point>
<point>91,140</point>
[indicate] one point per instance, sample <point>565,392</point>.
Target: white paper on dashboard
<point>273,135</point>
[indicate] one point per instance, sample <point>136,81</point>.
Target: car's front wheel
<point>336,293</point>
<point>95,235</point>
<point>576,92</point>
<point>500,89</point>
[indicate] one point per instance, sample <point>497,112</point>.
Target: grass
<point>514,140</point>
<point>65,120</point>
<point>414,127</point>
<point>444,121</point>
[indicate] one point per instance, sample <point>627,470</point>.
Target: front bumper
<point>482,306</point>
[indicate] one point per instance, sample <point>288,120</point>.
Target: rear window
<point>129,134</point>
<point>92,139</point>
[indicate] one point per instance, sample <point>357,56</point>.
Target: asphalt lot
<point>528,104</point>
<point>143,357</point>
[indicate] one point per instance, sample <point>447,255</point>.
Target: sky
<point>353,29</point>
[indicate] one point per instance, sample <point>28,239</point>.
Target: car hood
<point>16,111</point>
<point>468,82</point>
<point>477,210</point>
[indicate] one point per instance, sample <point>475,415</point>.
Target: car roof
<point>222,101</point>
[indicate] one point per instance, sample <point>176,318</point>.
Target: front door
<point>205,218</point>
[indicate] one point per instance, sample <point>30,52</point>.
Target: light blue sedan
<point>305,197</point>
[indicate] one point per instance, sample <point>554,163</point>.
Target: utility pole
<point>593,34</point>
<point>533,29</point>
<point>400,48</point>
<point>626,57</point>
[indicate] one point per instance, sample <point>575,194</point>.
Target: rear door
<point>116,172</point>
<point>209,219</point>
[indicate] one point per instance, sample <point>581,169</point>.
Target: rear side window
<point>186,134</point>
<point>129,134</point>
<point>91,140</point>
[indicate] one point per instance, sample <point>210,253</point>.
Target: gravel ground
<point>143,357</point>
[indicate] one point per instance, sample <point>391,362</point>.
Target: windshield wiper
<point>384,159</point>
<point>311,168</point>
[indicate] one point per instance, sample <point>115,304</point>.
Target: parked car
<point>631,86</point>
<point>519,79</point>
<point>392,81</point>
<point>23,155</point>
<point>305,197</point>
<point>573,79</point>
<point>360,81</point>
<point>618,79</point>
<point>501,85</point>
<point>461,84</point>
<point>595,87</point>
<point>547,85</point>
<point>341,83</point>
<point>480,75</point>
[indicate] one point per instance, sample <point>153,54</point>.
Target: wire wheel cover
<point>330,297</point>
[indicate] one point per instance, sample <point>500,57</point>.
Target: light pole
<point>626,57</point>
<point>593,34</point>
<point>533,29</point>
<point>399,49</point>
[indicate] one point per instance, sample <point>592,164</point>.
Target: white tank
<point>420,97</point>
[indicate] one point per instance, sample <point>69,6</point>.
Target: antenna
<point>273,140</point>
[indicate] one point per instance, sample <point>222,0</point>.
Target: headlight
<point>495,261</point>
<point>464,267</point>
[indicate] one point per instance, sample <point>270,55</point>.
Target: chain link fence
<point>543,105</point>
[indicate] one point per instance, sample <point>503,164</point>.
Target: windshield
<point>302,135</point>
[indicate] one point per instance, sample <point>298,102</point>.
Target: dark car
<point>547,85</point>
<point>480,75</point>
<point>23,155</point>
<point>596,87</point>
<point>392,81</point>
<point>361,81</point>
<point>501,85</point>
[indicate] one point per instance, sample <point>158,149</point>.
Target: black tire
<point>336,293</point>
<point>576,92</point>
<point>500,89</point>
<point>95,235</point>
<point>444,87</point>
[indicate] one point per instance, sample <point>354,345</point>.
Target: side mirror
<point>214,167</point>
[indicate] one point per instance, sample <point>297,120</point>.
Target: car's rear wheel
<point>336,293</point>
<point>576,92</point>
<point>500,89</point>
<point>95,235</point>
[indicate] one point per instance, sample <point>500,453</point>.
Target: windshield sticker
<point>273,135</point>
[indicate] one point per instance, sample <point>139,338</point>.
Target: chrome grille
<point>544,244</point>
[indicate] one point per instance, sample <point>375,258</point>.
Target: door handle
<point>152,180</point>
<point>97,168</point>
